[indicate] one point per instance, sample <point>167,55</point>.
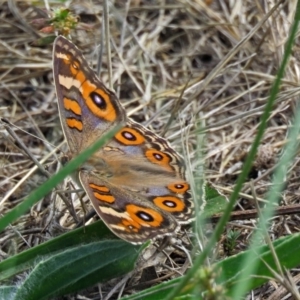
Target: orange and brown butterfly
<point>137,181</point>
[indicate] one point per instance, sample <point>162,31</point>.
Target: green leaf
<point>78,268</point>
<point>215,203</point>
<point>8,292</point>
<point>287,250</point>
<point>159,291</point>
<point>84,235</point>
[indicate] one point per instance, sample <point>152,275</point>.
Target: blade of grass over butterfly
<point>45,188</point>
<point>247,165</point>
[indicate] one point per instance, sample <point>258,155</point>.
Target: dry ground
<point>164,46</point>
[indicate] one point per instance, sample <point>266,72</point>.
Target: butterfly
<point>136,182</point>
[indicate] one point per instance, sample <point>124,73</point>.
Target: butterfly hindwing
<point>128,214</point>
<point>158,167</point>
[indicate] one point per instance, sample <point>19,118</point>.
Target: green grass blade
<point>279,175</point>
<point>286,248</point>
<point>246,168</point>
<point>45,188</point>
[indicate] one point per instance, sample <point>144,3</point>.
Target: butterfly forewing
<point>87,108</point>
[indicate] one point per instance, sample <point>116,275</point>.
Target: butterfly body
<point>136,182</point>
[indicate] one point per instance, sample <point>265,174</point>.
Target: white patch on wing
<point>117,227</point>
<point>61,55</point>
<point>68,82</point>
<point>112,212</point>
